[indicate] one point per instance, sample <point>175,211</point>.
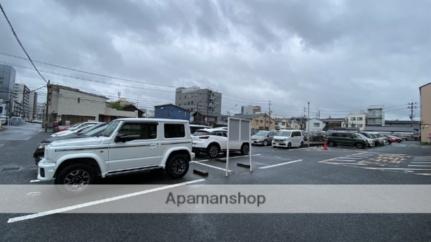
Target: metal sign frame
<point>239,136</point>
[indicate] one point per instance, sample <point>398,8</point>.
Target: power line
<point>20,44</point>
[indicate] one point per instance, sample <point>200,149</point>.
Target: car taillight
<point>203,137</point>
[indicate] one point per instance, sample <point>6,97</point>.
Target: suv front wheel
<point>177,166</point>
<point>76,175</point>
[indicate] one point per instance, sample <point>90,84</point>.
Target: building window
<point>79,100</point>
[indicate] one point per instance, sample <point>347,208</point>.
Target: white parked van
<point>288,139</point>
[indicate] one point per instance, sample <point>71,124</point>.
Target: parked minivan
<point>288,139</point>
<point>347,138</point>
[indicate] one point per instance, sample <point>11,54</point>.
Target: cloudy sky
<point>342,56</point>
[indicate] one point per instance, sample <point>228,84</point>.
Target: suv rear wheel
<point>76,176</point>
<point>177,165</point>
<point>213,151</point>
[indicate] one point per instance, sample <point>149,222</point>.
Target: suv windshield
<point>95,130</point>
<point>110,128</point>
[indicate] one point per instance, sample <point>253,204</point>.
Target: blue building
<point>171,111</point>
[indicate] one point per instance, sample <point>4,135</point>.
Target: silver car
<point>262,137</point>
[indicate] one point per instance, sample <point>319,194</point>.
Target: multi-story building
<point>40,111</point>
<point>32,105</point>
<point>21,106</point>
<point>375,116</point>
<point>425,109</point>
<point>195,99</point>
<point>250,109</point>
<point>357,120</point>
<point>7,81</point>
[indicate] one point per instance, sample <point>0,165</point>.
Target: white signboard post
<point>238,132</point>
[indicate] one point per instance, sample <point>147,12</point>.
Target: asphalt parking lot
<point>405,163</point>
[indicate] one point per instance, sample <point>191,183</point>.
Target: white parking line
<point>398,169</point>
<point>34,181</point>
<point>280,164</point>
<point>210,166</point>
<point>97,202</point>
<point>420,165</point>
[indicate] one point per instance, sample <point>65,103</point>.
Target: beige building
<point>259,121</point>
<point>71,105</point>
<point>425,99</point>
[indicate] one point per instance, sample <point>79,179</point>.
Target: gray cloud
<point>340,55</point>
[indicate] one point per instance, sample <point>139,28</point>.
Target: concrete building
<point>375,116</point>
<point>32,105</point>
<point>171,111</point>
<point>40,111</point>
<point>357,120</point>
<point>71,105</point>
<point>195,99</point>
<point>425,109</point>
<point>21,106</point>
<point>250,109</point>
<point>7,81</point>
<point>314,125</point>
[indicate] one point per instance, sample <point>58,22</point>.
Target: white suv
<point>212,141</point>
<point>288,139</point>
<point>126,145</point>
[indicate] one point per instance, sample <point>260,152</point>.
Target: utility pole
<point>269,114</point>
<point>411,106</point>
<point>307,124</point>
<point>46,106</point>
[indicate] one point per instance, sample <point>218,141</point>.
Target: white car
<point>288,139</point>
<point>75,128</point>
<point>213,141</point>
<point>126,145</point>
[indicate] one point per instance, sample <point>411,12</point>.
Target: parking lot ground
<point>405,163</point>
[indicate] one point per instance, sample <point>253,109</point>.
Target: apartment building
<point>375,116</point>
<point>7,81</point>
<point>21,97</point>
<point>195,99</point>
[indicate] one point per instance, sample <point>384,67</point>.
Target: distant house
<point>314,125</point>
<point>171,111</point>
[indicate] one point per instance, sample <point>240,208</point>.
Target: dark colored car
<point>87,132</point>
<point>344,138</point>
